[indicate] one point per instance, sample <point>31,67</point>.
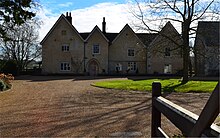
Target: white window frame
<point>132,66</point>
<point>65,47</point>
<point>65,66</point>
<point>131,52</point>
<point>93,49</point>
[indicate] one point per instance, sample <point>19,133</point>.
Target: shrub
<point>2,85</point>
<point>9,67</point>
<point>5,81</point>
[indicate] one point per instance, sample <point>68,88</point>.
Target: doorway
<point>168,69</point>
<point>93,68</point>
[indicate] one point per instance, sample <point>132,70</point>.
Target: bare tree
<point>22,44</point>
<point>185,12</point>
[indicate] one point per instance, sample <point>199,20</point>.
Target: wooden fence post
<point>156,115</point>
<point>208,114</point>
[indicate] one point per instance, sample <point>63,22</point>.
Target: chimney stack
<point>69,17</point>
<point>104,26</point>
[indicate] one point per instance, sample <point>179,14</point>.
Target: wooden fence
<point>189,123</point>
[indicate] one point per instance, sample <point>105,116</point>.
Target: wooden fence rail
<point>189,123</point>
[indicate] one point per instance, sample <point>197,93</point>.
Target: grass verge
<point>168,85</point>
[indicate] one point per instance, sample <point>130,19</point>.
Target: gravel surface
<point>67,106</point>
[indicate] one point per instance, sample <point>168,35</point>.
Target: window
<point>132,66</point>
<point>65,66</point>
<point>95,49</point>
<point>63,32</point>
<point>131,52</point>
<point>167,52</point>
<point>65,47</point>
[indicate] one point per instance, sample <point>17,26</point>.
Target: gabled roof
<point>146,38</point>
<point>126,27</point>
<point>54,26</point>
<point>94,29</point>
<point>84,35</point>
<point>163,32</point>
<point>111,36</point>
<point>209,32</point>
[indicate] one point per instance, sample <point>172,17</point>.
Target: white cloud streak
<point>48,20</point>
<point>84,20</point>
<point>116,17</point>
<point>67,4</point>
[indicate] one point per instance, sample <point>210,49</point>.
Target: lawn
<point>168,85</point>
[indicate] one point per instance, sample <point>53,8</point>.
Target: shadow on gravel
<point>89,115</point>
<point>58,77</point>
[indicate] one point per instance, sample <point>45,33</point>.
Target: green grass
<point>168,85</point>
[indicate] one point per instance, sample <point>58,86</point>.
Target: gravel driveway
<point>48,106</point>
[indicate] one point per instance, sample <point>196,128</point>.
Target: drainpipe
<point>108,57</point>
<point>146,60</point>
<point>84,57</point>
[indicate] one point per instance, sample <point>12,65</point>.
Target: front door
<point>168,69</point>
<point>93,68</point>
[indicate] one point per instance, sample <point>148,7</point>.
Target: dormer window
<point>167,52</point>
<point>131,52</point>
<point>65,47</point>
<point>95,49</point>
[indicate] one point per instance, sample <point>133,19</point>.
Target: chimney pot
<point>103,25</point>
<point>68,17</point>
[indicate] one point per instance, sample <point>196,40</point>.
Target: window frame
<point>93,50</point>
<point>65,48</point>
<point>129,54</point>
<point>132,66</point>
<point>66,66</point>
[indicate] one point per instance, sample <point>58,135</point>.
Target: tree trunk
<point>185,36</point>
<point>190,67</point>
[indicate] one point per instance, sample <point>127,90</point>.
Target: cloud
<point>115,14</point>
<point>48,19</point>
<point>84,20</point>
<point>67,4</point>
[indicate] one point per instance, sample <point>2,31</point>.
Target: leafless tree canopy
<point>21,44</point>
<point>153,14</point>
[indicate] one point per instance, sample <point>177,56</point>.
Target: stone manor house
<point>66,51</point>
<point>207,44</point>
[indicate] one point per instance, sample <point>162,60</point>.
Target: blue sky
<point>86,14</point>
<point>58,6</point>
